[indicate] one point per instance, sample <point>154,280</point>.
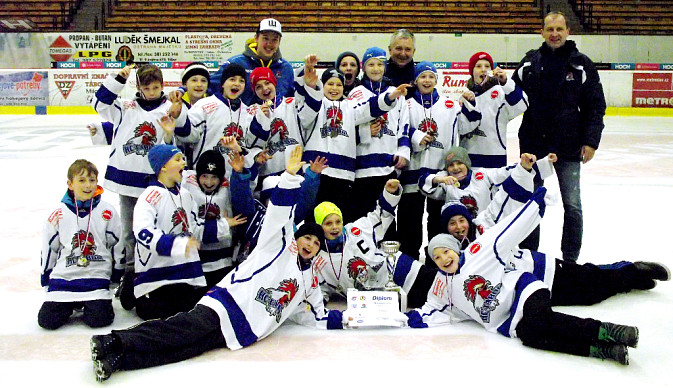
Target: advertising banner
<point>23,88</point>
<point>653,90</point>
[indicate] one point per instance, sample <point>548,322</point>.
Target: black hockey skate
<point>655,271</point>
<point>610,351</point>
<point>619,334</point>
<point>106,367</point>
<point>103,346</point>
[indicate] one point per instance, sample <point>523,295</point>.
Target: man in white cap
<point>261,51</point>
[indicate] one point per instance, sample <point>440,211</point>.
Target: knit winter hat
<point>459,155</point>
<point>325,209</point>
<point>454,208</point>
<point>195,68</point>
<point>422,67</point>
<point>160,154</point>
<point>310,228</point>
<point>477,57</point>
<point>211,162</point>
<point>443,240</point>
<point>332,73</point>
<point>348,54</point>
<point>262,73</point>
<point>231,70</point>
<point>374,52</point>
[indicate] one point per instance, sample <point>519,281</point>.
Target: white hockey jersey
<point>217,253</point>
<point>374,155</point>
<point>329,129</point>
<point>135,131</point>
<point>359,261</point>
<point>434,114</point>
<point>492,283</point>
<point>163,220</point>
<point>278,135</point>
<point>271,286</point>
<point>66,238</point>
<point>486,138</point>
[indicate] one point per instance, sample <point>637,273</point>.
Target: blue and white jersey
<point>375,154</point>
<point>492,282</point>
<point>217,253</point>
<point>486,137</point>
<point>278,135</point>
<point>329,128</point>
<point>163,221</point>
<point>135,131</point>
<point>356,258</point>
<point>429,114</point>
<point>254,299</point>
<point>67,236</point>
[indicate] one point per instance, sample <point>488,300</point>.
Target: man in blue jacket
<point>261,51</point>
<point>565,117</point>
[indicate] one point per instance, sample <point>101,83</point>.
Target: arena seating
<point>438,16</point>
<point>46,15</point>
<point>643,17</point>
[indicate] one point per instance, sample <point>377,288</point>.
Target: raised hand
<point>238,220</point>
<point>236,161</point>
<point>392,186</point>
<point>318,165</point>
<point>294,162</point>
<point>399,91</point>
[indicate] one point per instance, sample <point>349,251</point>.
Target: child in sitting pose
<point>82,253</point>
<point>169,276</point>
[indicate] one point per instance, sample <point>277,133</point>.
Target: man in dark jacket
<point>400,68</point>
<point>261,51</point>
<point>565,117</point>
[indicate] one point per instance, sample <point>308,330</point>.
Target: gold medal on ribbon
<point>82,261</point>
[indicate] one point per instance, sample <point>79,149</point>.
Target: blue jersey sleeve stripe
<point>239,323</point>
<point>78,285</point>
<point>189,270</point>
<point>524,281</point>
<point>165,244</point>
<point>402,269</point>
<point>516,191</point>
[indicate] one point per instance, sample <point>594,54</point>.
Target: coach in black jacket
<point>565,116</point>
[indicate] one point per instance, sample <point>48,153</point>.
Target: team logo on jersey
<point>276,299</point>
<point>430,127</point>
<point>107,215</point>
<point>279,138</point>
<point>209,211</point>
<point>482,295</point>
<point>383,120</point>
<point>82,244</point>
<point>334,124</point>
<point>180,222</point>
<point>471,204</point>
<point>144,138</point>
<point>357,270</point>
<point>494,94</point>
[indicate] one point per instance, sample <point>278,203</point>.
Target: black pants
<point>410,221</point>
<point>584,285</point>
<point>366,192</point>
<point>168,300</point>
<point>543,328</point>
<point>95,313</point>
<point>178,338</point>
<point>337,191</point>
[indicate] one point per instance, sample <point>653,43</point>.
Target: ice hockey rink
<point>626,192</point>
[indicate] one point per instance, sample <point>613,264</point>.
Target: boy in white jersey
<point>276,131</point>
<point>383,143</point>
<point>328,123</point>
<point>490,284</point>
<point>168,272</point>
<point>82,253</point>
<point>210,190</point>
<point>496,100</point>
<point>275,283</point>
<point>135,130</point>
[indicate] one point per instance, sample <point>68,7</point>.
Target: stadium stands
<point>643,17</point>
<point>45,15</point>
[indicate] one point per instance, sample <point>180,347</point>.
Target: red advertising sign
<point>652,90</point>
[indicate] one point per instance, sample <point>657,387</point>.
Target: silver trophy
<point>390,248</point>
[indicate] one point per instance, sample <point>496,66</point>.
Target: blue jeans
<point>568,174</point>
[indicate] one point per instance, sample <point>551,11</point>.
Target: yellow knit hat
<point>325,209</point>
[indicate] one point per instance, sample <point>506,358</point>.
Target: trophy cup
<point>378,306</point>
